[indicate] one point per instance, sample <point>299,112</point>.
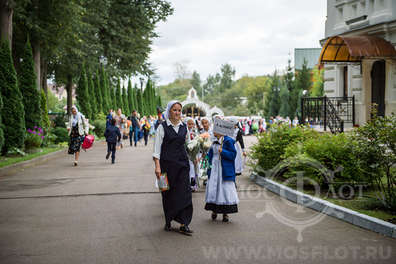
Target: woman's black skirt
<point>75,141</point>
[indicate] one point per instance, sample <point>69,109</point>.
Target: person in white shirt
<point>170,157</point>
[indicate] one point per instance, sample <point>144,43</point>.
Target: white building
<point>193,107</point>
<point>359,54</point>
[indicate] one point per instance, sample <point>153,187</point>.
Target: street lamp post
<point>141,83</point>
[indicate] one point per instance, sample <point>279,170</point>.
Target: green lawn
<point>5,161</point>
<point>368,204</point>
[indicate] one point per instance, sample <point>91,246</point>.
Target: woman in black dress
<point>170,157</point>
<point>77,129</point>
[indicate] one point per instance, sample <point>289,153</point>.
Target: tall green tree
<point>1,122</point>
<point>13,113</point>
<point>125,110</point>
<point>28,86</point>
<point>274,102</point>
<point>303,82</point>
<point>44,111</point>
<point>113,90</point>
<point>98,93</point>
<point>131,100</point>
<point>82,94</point>
<point>290,85</point>
<point>284,101</point>
<point>118,98</point>
<point>227,76</point>
<point>104,88</point>
<point>135,98</point>
<point>92,97</point>
<point>318,85</point>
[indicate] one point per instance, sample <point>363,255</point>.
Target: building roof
<point>310,54</point>
<point>353,49</point>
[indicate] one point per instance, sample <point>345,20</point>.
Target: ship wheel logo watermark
<point>300,218</point>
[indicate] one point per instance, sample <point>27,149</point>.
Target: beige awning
<point>353,49</point>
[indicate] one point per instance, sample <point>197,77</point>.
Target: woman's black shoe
<point>167,227</point>
<point>185,230</point>
<point>225,218</point>
<point>214,216</point>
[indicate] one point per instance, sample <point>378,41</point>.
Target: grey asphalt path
<point>101,213</point>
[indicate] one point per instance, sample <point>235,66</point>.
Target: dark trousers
<point>111,147</point>
<point>136,135</point>
<point>130,136</point>
<point>146,134</point>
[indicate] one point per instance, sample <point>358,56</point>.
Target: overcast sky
<point>254,36</point>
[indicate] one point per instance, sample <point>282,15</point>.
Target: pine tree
<point>303,82</point>
<point>82,94</point>
<point>139,101</point>
<point>98,94</point>
<point>118,96</point>
<point>1,123</point>
<point>135,98</point>
<point>92,97</point>
<point>104,90</point>
<point>125,110</point>
<point>13,114</point>
<point>290,84</point>
<point>114,97</point>
<point>130,97</point>
<point>28,87</point>
<point>284,101</point>
<point>318,86</point>
<point>44,111</point>
<point>275,100</point>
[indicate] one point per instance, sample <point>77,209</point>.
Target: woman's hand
<point>220,149</point>
<point>157,172</point>
<point>244,153</point>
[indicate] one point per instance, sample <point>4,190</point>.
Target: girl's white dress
<point>239,162</point>
<point>221,196</point>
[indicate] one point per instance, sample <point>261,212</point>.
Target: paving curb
<point>323,206</point>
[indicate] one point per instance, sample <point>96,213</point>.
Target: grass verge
<point>6,161</point>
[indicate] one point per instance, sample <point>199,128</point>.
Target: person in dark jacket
<point>134,128</point>
<point>113,135</point>
<point>109,117</point>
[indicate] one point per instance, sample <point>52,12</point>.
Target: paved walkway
<point>102,213</point>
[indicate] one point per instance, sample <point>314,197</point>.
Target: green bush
<point>34,138</point>
<point>100,116</point>
<point>61,134</point>
<point>375,148</point>
<point>334,152</point>
<point>100,127</point>
<point>60,121</point>
<point>267,153</point>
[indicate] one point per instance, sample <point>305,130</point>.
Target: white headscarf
<point>76,116</point>
<point>188,119</point>
<point>168,108</point>
<point>205,118</point>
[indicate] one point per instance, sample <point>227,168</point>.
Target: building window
<point>363,6</point>
<point>345,82</point>
<point>340,14</point>
<point>371,6</point>
<point>354,10</point>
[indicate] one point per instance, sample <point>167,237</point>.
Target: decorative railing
<point>330,112</point>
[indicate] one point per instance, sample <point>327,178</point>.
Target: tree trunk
<point>37,61</point>
<point>6,13</point>
<point>69,89</point>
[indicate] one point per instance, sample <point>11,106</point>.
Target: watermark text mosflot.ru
<point>298,252</point>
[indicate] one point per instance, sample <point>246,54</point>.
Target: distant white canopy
<point>207,110</point>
